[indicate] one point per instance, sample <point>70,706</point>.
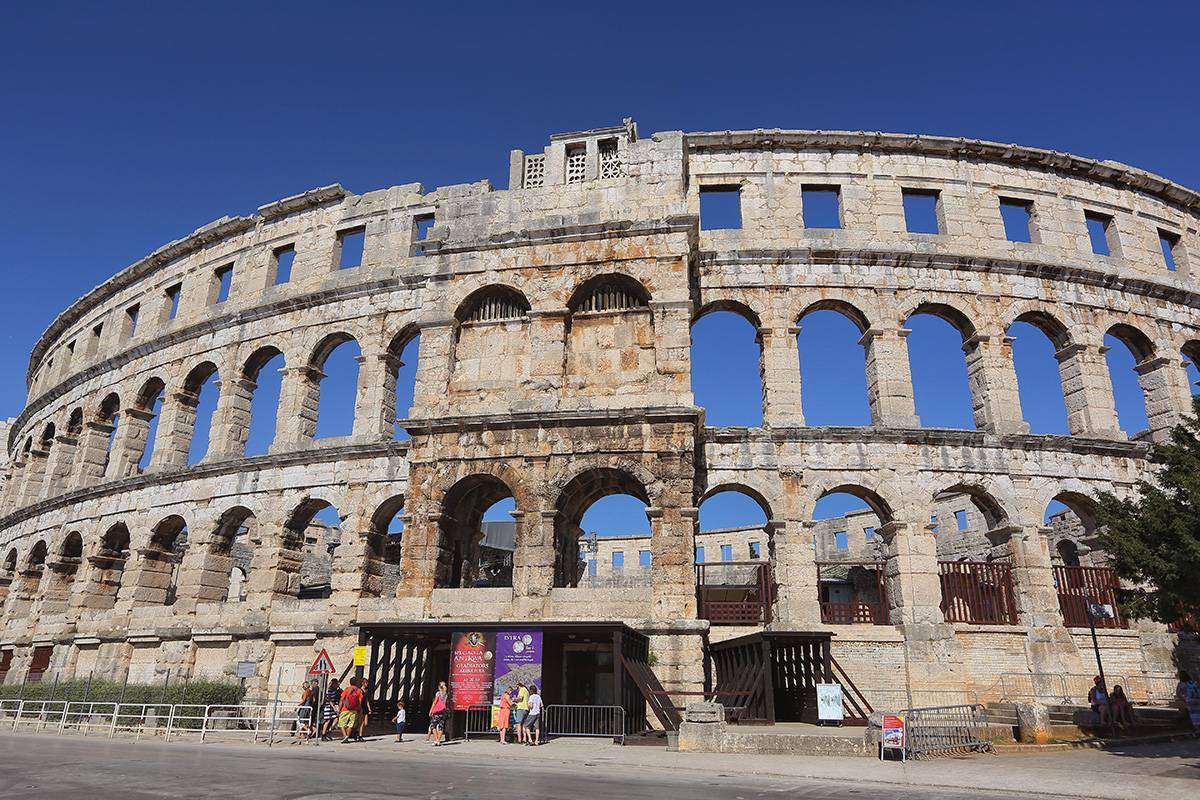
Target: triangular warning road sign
<point>323,665</point>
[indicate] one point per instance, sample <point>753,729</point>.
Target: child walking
<point>399,720</point>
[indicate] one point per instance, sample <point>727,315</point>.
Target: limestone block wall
<point>554,366</point>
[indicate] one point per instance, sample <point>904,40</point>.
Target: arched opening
<point>833,371</point>
<point>976,574</point>
<point>961,516</point>
<point>602,519</point>
<point>1128,348</point>
<point>263,382</point>
<point>149,402</point>
<point>158,580</point>
<point>107,420</point>
<point>477,534</point>
<point>1191,363</point>
<point>405,352</point>
<point>63,571</point>
<point>1037,339</point>
<point>227,564</point>
<point>1068,553</point>
<point>28,580</point>
<point>1071,523</point>
<point>726,358</point>
<point>491,342</point>
<point>851,575</point>
<point>941,391</point>
<point>108,566</point>
<point>385,548</point>
<point>311,535</point>
<point>336,363</point>
<point>8,571</point>
<point>200,391</point>
<point>735,584</point>
<point>1081,573</point>
<point>609,337</point>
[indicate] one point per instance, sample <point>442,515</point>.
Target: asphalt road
<point>99,769</point>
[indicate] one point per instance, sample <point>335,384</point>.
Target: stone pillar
<point>59,470</point>
<point>913,585</point>
<point>672,551</point>
<point>673,338</point>
<point>297,416</point>
<point>231,419</point>
<point>375,407</point>
<point>93,455</point>
<point>993,382</point>
<point>174,434</point>
<point>780,369</point>
<point>889,379</point>
<point>33,476</point>
<point>534,560</point>
<point>59,583</point>
<point>1087,391</point>
<point>422,539</point>
<point>273,564</point>
<point>797,602</point>
<point>433,379</point>
<point>547,346</point>
<point>1028,550</point>
<point>349,571</point>
<point>130,442</point>
<point>1167,394</point>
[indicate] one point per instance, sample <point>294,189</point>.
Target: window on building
<point>131,320</point>
<point>821,206</point>
<point>618,560</point>
<point>755,550</point>
<point>921,210</point>
<point>610,159</point>
<point>1100,232</point>
<point>841,540</point>
<point>1169,242</point>
<point>173,295</point>
<point>869,532</point>
<point>535,171</point>
<point>1018,219</point>
<point>576,163</point>
<point>97,334</point>
<point>720,208</point>
<point>934,525</point>
<point>422,226</point>
<point>700,555</point>
<point>727,552</point>
<point>643,558</point>
<point>284,258</point>
<point>960,519</point>
<point>591,567</point>
<point>350,247</point>
<point>223,279</point>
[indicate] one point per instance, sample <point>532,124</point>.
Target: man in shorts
<point>348,713</point>
<point>520,708</point>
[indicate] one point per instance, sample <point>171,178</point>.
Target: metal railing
<point>946,729</point>
<point>735,592</point>
<point>1079,585</point>
<point>978,592</point>
<point>557,720</point>
<point>866,607</point>
<point>1072,688</point>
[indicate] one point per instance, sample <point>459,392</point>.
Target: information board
<point>829,701</point>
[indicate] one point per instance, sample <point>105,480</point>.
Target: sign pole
<point>275,705</point>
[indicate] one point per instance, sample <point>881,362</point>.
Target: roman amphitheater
<point>554,323</point>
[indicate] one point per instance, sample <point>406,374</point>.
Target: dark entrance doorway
<point>581,666</point>
<point>773,676</point>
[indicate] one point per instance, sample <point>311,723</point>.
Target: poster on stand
<point>518,659</point>
<point>472,656</point>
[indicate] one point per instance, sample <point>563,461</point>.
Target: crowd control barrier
<point>557,720</point>
<point>946,730</point>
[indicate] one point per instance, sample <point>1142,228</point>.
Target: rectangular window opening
<point>755,550</point>
<point>223,278</point>
<point>618,560</point>
<point>841,540</point>
<point>422,226</point>
<point>821,206</point>
<point>1099,232</point>
<point>591,567</point>
<point>727,552</point>
<point>643,558</point>
<point>1018,219</point>
<point>921,210</point>
<point>350,247</point>
<point>869,533</point>
<point>173,293</point>
<point>576,163</point>
<point>131,320</point>
<point>1169,242</point>
<point>284,258</point>
<point>960,518</point>
<point>700,555</point>
<point>720,208</point>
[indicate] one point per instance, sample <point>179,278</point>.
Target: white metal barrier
<point>40,713</point>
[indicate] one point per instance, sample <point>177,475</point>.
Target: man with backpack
<point>348,713</point>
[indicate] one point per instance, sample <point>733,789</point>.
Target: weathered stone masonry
<point>554,366</point>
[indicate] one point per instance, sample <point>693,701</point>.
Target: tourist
<point>533,721</point>
<point>504,714</point>
<point>364,713</point>
<point>1098,699</point>
<point>329,712</point>
<point>520,709</point>
<point>348,711</point>
<point>1122,709</point>
<point>437,715</point>
<point>1187,696</point>
<point>304,715</point>
<point>399,719</point>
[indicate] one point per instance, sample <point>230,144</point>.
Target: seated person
<point>1098,699</point>
<point>1122,709</point>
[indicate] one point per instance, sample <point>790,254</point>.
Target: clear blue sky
<point>127,129</point>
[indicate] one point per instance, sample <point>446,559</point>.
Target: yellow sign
<point>360,655</point>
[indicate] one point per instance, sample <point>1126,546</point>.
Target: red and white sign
<point>323,665</point>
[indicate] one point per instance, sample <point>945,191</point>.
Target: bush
<point>201,693</point>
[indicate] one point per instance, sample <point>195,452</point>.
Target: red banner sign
<point>471,659</point>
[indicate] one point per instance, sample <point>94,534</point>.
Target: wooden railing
<point>1077,585</point>
<point>735,592</point>
<point>870,608</point>
<point>979,592</point>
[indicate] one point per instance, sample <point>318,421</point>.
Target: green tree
<point>1153,539</point>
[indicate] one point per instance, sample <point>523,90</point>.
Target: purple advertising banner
<point>518,659</point>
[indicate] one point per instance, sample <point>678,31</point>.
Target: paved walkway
<point>1145,772</point>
